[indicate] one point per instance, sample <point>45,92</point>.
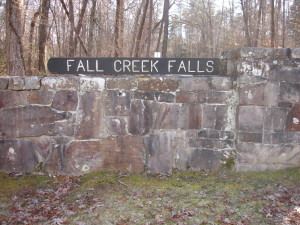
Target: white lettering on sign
<point>182,66</point>
<point>68,64</point>
<point>97,67</point>
<point>120,66</point>
<point>169,65</point>
<point>144,66</point>
<point>153,65</point>
<point>208,64</point>
<point>80,65</point>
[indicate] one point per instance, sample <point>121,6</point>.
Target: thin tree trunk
<point>258,25</point>
<point>283,24</point>
<point>30,51</point>
<point>166,29</point>
<point>139,36</point>
<point>14,38</point>
<point>135,27</point>
<point>79,24</point>
<point>272,24</point>
<point>92,27</point>
<point>149,28</point>
<point>71,37</point>
<point>73,27</point>
<point>245,11</point>
<point>43,34</point>
<point>119,28</point>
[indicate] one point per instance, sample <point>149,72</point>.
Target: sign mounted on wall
<point>115,66</point>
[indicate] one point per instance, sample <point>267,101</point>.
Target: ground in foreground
<point>203,197</point>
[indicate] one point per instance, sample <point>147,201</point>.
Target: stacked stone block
<point>268,112</point>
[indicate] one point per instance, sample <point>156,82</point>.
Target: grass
<point>205,197</point>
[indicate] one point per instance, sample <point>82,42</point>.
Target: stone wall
<point>74,124</point>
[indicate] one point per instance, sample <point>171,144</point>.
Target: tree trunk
<point>245,11</point>
<point>135,28</point>
<point>272,24</point>
<point>14,38</point>
<point>119,28</point>
<point>71,37</point>
<point>166,28</point>
<point>255,44</point>
<point>31,32</point>
<point>283,24</point>
<point>92,27</point>
<point>139,36</point>
<point>43,33</point>
<point>149,28</point>
<point>79,24</point>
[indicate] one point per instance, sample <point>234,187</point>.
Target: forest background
<point>32,31</point>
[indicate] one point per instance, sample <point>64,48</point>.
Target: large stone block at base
<point>251,118</point>
<point>293,119</point>
<point>18,156</point>
<point>205,159</point>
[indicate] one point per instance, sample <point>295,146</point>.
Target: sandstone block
<point>251,118</point>
<point>117,103</point>
<point>158,84</point>
<point>208,134</point>
<point>30,121</point>
<point>17,156</point>
<point>190,97</point>
<point>161,157</point>
<point>216,117</point>
<point>167,116</point>
<point>10,99</point>
<point>60,83</point>
<point>17,83</point>
<point>293,119</point>
<point>290,92</point>
<point>219,97</point>
<point>116,125</point>
<point>275,119</point>
<point>90,124</point>
<point>196,84</point>
<point>92,84</point>
<point>250,137</point>
<point>259,94</point>
<point>65,100</point>
<point>32,83</point>
<point>4,81</point>
<point>140,118</point>
<point>295,53</point>
<point>288,74</point>
<point>222,83</point>
<point>274,138</point>
<point>152,95</point>
<point>121,84</point>
<point>205,159</point>
<point>292,137</point>
<point>190,117</point>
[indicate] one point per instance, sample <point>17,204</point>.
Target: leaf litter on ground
<point>204,197</point>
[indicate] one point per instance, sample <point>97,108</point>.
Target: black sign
<point>195,66</point>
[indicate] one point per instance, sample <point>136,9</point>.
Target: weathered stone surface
<point>121,83</point>
<point>91,84</point>
<point>259,94</point>
<point>190,117</point>
<point>161,157</point>
<point>30,121</point>
<point>285,104</point>
<point>17,155</point>
<point>60,83</point>
<point>216,117</point>
<point>290,92</point>
<point>251,118</point>
<point>91,124</point>
<point>4,82</point>
<point>16,83</point>
<point>222,83</point>
<point>190,97</point>
<point>209,134</point>
<point>274,138</point>
<point>157,96</point>
<point>158,84</point>
<point>295,53</point>
<point>293,119</point>
<point>10,99</point>
<point>122,153</point>
<point>287,74</point>
<point>65,100</point>
<point>32,83</point>
<point>250,137</point>
<point>292,137</point>
<point>116,125</point>
<point>196,84</point>
<point>250,67</point>
<point>260,53</point>
<point>128,156</point>
<point>167,116</point>
<point>219,97</point>
<point>117,103</point>
<point>275,119</point>
<point>210,143</point>
<point>140,118</point>
<point>205,159</point>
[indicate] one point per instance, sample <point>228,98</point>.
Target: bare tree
<point>14,38</point>
<point>92,26</point>
<point>119,29</point>
<point>166,28</point>
<point>272,27</point>
<point>43,33</point>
